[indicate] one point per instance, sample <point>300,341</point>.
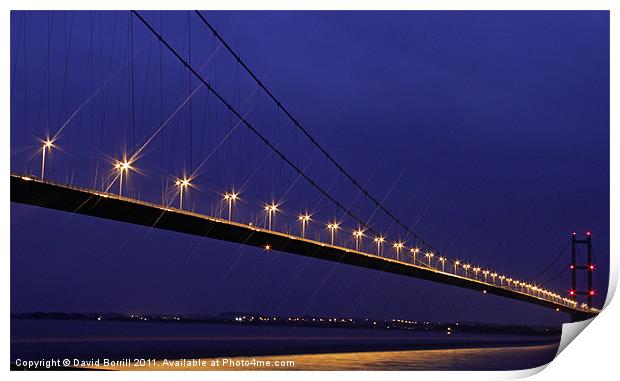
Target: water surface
<point>308,348</point>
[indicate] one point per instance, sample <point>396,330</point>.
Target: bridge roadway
<point>29,190</point>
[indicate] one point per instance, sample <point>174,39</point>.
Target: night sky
<point>485,132</point>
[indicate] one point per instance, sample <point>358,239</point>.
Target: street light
<point>183,185</point>
<point>485,273</point>
<point>358,234</point>
<point>271,209</point>
<point>398,246</point>
<point>333,226</point>
<point>466,267</point>
<point>123,166</point>
<point>429,255</point>
<point>304,218</point>
<point>456,263</point>
<point>476,271</point>
<point>493,276</point>
<point>231,198</point>
<point>443,262</point>
<point>47,146</point>
<point>379,241</point>
<point>414,252</point>
<point>501,280</point>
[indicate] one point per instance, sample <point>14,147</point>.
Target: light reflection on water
<point>510,358</point>
<point>440,359</point>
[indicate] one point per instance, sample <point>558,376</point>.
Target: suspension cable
<point>310,137</point>
<point>541,273</point>
<point>553,278</point>
<point>244,120</point>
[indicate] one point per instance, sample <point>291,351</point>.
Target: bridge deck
<point>89,202</point>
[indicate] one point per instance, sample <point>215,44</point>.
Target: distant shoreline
<point>248,319</point>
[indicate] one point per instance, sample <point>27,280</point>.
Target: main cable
<point>244,121</point>
<point>554,277</point>
<point>541,273</point>
<point>310,137</point>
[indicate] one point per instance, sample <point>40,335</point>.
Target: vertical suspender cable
<point>131,82</point>
<point>189,88</point>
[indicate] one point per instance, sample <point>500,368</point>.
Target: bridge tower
<point>588,267</point>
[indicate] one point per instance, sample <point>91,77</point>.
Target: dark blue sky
<point>486,132</point>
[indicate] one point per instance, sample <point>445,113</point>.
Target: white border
<point>592,355</point>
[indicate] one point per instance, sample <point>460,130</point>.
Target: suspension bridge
<point>114,193</point>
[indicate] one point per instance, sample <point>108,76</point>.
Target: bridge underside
<point>90,203</point>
